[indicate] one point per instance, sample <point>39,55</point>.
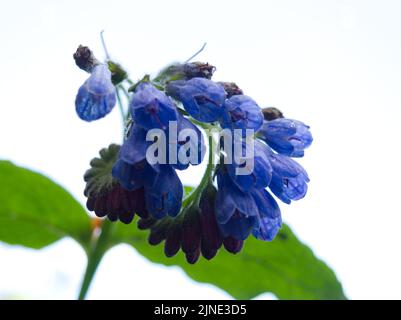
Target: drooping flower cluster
<point>164,134</point>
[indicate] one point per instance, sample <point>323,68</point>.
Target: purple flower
<point>269,215</point>
<point>133,176</point>
<point>236,211</point>
<point>151,108</point>
<point>239,213</point>
<point>289,179</point>
<point>189,144</point>
<point>164,194</point>
<point>255,168</point>
<point>241,112</point>
<point>288,137</point>
<point>202,98</point>
<point>97,96</point>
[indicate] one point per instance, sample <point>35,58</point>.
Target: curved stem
<point>194,197</point>
<point>95,255</point>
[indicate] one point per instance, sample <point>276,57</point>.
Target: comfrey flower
<point>97,96</point>
<point>241,213</point>
<point>251,171</point>
<point>241,112</point>
<point>202,98</point>
<point>151,108</point>
<point>286,136</point>
<point>289,179</point>
<point>139,178</point>
<point>162,188</point>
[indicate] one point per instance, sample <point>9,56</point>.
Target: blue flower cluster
<point>243,205</point>
<point>150,108</point>
<point>240,206</point>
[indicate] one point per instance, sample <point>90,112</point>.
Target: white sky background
<point>332,64</point>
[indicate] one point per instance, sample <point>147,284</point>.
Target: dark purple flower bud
<point>85,59</point>
<point>144,224</point>
<point>192,257</point>
<point>211,237</point>
<point>231,89</point>
<point>186,71</point>
<point>173,240</point>
<point>233,245</point>
<point>198,70</point>
<point>191,231</point>
<point>159,232</point>
<point>106,197</point>
<point>272,113</point>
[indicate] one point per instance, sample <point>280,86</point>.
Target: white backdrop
<point>332,64</point>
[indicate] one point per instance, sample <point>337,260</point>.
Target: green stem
<point>194,197</point>
<point>120,106</point>
<point>95,255</point>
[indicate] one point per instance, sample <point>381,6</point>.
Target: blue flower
<point>256,168</point>
<point>289,179</point>
<point>164,194</point>
<point>151,108</point>
<point>236,211</point>
<point>241,112</point>
<point>269,216</point>
<point>189,144</point>
<point>97,96</point>
<point>288,137</point>
<point>134,147</point>
<point>241,213</point>
<point>202,98</point>
<point>133,176</point>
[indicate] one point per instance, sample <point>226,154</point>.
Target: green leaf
<point>35,211</point>
<point>285,267</point>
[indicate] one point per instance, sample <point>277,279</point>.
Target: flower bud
<point>233,245</point>
<point>272,113</point>
<point>159,232</point>
<point>85,59</point>
<point>173,240</point>
<point>192,257</point>
<point>191,231</point>
<point>231,89</point>
<point>211,235</point>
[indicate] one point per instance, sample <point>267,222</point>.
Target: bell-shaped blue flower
<point>188,144</point>
<point>286,136</point>
<point>97,96</point>
<point>236,211</point>
<point>269,216</point>
<point>252,170</point>
<point>202,98</point>
<point>134,147</point>
<point>133,176</point>
<point>164,194</point>
<point>289,179</point>
<point>151,108</point>
<point>241,112</point>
